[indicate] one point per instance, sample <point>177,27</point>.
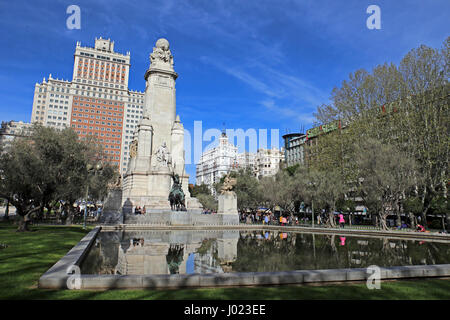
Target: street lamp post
<point>90,168</point>
<point>85,207</point>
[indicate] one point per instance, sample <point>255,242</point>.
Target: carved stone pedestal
<point>227,204</point>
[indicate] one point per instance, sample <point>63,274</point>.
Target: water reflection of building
<point>218,257</point>
<point>363,252</point>
<point>167,252</point>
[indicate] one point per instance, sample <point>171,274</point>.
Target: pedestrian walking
<point>341,220</point>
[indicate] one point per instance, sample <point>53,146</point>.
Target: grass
<point>28,255</point>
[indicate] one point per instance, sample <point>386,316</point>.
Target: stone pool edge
<point>56,277</point>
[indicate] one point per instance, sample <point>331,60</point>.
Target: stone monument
<point>157,151</point>
<point>227,198</point>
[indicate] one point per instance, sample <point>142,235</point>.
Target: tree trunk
<point>70,214</point>
<point>24,222</point>
<point>6,216</point>
<point>446,219</point>
<point>331,220</point>
<point>399,219</point>
<point>425,209</point>
<point>383,223</point>
<point>399,214</point>
<point>424,217</point>
<point>412,220</point>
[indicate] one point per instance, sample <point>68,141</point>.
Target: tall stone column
<point>178,147</point>
<point>142,160</point>
<point>158,150</point>
<point>159,99</point>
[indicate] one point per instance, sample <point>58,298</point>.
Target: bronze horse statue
<point>176,195</point>
<point>177,202</point>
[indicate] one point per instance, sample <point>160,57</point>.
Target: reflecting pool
<point>187,252</point>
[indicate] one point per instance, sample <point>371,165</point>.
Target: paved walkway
<point>351,232</point>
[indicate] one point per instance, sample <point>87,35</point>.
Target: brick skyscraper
<point>95,102</point>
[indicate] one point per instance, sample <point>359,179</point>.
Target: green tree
<point>199,189</point>
<point>440,206</point>
<point>247,189</point>
<point>281,190</point>
<point>405,106</point>
<point>207,201</point>
<point>385,173</point>
<point>204,196</point>
<point>48,166</point>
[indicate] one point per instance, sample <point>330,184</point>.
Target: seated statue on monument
<point>163,155</point>
<point>176,195</point>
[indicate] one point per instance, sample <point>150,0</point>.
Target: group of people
<point>250,217</point>
<point>79,212</point>
<point>268,219</point>
<point>283,220</point>
<point>139,210</point>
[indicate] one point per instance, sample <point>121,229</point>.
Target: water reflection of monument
<point>206,251</point>
<point>171,252</point>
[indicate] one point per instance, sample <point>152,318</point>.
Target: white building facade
<point>216,163</point>
<point>12,129</point>
<point>267,162</point>
<point>219,161</point>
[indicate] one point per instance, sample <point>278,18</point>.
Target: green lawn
<point>28,255</point>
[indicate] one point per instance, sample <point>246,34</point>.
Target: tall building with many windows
<point>216,163</point>
<point>52,103</point>
<point>95,102</point>
<point>268,162</point>
<point>134,108</point>
<point>224,158</point>
<point>12,129</point>
<point>294,145</point>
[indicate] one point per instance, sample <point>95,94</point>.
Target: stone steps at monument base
<point>181,218</point>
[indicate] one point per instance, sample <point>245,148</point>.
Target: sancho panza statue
<point>228,185</point>
<point>227,198</point>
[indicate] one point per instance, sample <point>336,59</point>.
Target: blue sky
<point>248,64</point>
